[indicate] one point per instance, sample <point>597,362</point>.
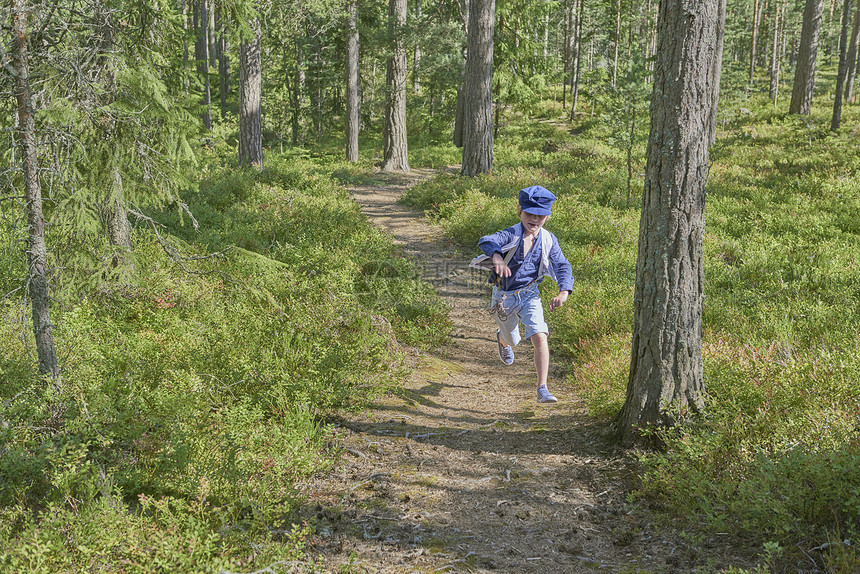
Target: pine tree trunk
<point>666,373</point>
<point>353,87</point>
<point>395,154</point>
<point>201,54</point>
<point>852,56</point>
<point>836,119</point>
<point>754,40</point>
<point>478,90</point>
<point>804,72</point>
<point>576,60</point>
<point>37,254</point>
<point>617,42</point>
<point>775,56</point>
<point>416,56</point>
<point>224,83</point>
<point>250,96</point>
<point>567,46</point>
<point>298,93</point>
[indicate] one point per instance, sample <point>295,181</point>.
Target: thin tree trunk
<point>298,93</point>
<point>353,87</point>
<point>37,254</point>
<point>617,42</point>
<point>250,97</point>
<point>395,153</point>
<point>576,60</point>
<point>201,53</point>
<point>804,72</point>
<point>567,45</point>
<point>416,55</point>
<point>754,40</point>
<point>666,373</point>
<point>211,36</point>
<point>775,54</point>
<point>852,56</point>
<point>224,82</point>
<point>836,119</point>
<point>478,90</point>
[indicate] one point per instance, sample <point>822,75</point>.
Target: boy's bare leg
<point>541,345</point>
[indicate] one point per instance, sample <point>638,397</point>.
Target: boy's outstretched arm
<point>558,300</point>
<point>502,269</point>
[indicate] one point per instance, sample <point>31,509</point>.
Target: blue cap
<point>536,200</point>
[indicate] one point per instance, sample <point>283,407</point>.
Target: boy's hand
<point>558,301</point>
<point>502,269</point>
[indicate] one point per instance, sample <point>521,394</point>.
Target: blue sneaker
<point>544,396</point>
<point>506,354</point>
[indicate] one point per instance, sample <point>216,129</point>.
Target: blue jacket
<point>552,264</point>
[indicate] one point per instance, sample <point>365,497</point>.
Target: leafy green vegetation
<point>194,399</point>
<point>776,457</point>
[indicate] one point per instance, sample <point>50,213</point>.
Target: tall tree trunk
<point>416,56</point>
<point>666,373</point>
<point>567,46</point>
<point>775,52</point>
<point>224,80</point>
<point>754,40</point>
<point>395,153</point>
<point>804,72</point>
<point>250,97</point>
<point>576,60</point>
<point>353,87</point>
<point>617,42</point>
<point>836,119</point>
<point>201,54</point>
<point>478,90</point>
<point>211,36</point>
<point>297,94</point>
<point>852,56</point>
<point>37,254</point>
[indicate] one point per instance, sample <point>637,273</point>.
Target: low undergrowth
<point>194,394</point>
<point>776,457</point>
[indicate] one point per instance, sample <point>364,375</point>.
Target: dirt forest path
<point>463,470</point>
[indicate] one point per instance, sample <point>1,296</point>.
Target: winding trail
<point>462,470</point>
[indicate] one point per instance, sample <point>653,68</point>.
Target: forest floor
<point>462,470</point>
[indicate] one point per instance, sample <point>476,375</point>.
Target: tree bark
<point>201,54</point>
<point>617,42</point>
<point>576,64</point>
<point>353,87</point>
<point>224,83</point>
<point>416,56</point>
<point>395,153</point>
<point>478,90</point>
<point>250,97</point>
<point>37,254</point>
<point>836,119</point>
<point>754,40</point>
<point>775,53</point>
<point>666,373</point>
<point>804,72</point>
<point>852,56</point>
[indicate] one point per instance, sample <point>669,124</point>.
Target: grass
<point>776,456</point>
<point>196,386</point>
<point>194,395</point>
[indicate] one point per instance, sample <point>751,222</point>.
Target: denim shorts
<point>510,308</point>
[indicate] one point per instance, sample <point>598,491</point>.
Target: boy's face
<point>532,223</point>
